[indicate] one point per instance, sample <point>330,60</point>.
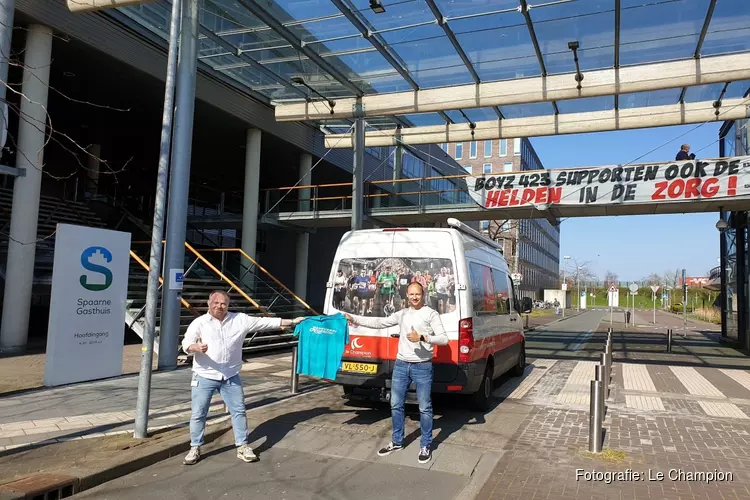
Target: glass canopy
<point>316,49</point>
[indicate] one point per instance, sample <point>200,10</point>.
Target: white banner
<point>616,185</point>
<point>87,309</point>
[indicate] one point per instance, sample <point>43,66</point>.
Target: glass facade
<point>734,264</point>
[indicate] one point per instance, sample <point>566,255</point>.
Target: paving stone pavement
<point>547,458</point>
<point>107,407</point>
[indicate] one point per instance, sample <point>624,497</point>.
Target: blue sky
<point>635,246</point>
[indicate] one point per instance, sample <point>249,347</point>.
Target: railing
<point>715,273</point>
<point>142,310</point>
<point>249,270</point>
<point>199,265</point>
<point>385,193</point>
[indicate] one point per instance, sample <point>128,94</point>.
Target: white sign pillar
<point>87,314</point>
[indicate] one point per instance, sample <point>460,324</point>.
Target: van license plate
<point>359,367</point>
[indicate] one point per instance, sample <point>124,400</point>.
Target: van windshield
<point>377,286</point>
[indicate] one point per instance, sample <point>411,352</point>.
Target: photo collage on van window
<point>377,286</point>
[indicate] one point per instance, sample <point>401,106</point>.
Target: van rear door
<point>360,256</point>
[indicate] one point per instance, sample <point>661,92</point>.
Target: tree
<point>610,278</point>
<point>654,279</point>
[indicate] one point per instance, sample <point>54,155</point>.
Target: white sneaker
<point>246,454</point>
<point>193,456</point>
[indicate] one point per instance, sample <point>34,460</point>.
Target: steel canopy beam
<point>535,41</point>
<point>260,12</point>
<point>616,64</point>
<point>604,82</point>
<point>370,37</point>
<point>250,61</point>
<point>443,23</point>
<point>567,123</point>
<point>701,38</point>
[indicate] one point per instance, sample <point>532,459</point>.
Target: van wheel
<point>481,399</point>
<point>517,370</point>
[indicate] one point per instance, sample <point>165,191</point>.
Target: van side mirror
<point>527,305</point>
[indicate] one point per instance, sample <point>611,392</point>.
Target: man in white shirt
<point>215,341</point>
<point>421,328</point>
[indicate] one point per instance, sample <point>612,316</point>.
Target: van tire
<point>481,400</point>
<point>518,368</point>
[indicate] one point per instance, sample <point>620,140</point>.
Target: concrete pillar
<point>19,270</point>
<point>358,187</point>
<point>92,170</point>
<point>303,239</point>
<point>250,204</point>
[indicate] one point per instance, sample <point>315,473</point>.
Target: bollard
<point>527,322</point>
<point>295,376</point>
<point>608,351</point>
<point>605,362</point>
<point>669,340</point>
<point>595,421</point>
<point>599,377</point>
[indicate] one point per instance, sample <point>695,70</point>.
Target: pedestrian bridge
<point>706,185</point>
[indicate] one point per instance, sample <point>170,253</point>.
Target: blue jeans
<point>231,392</point>
<point>404,374</point>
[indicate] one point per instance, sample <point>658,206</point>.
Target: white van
<point>466,279</point>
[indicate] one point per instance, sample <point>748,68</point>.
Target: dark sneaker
<point>389,448</point>
<point>193,456</point>
<point>425,454</point>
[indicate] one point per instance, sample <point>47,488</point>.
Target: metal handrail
<point>224,277</point>
<point>263,270</point>
<point>388,181</point>
<point>259,279</point>
<point>161,280</point>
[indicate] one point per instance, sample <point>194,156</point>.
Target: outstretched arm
<point>376,323</point>
<point>260,324</point>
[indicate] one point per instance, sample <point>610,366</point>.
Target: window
<point>487,149</point>
<point>516,147</point>
<point>508,166</point>
<point>473,149</point>
<point>368,277</point>
<point>376,152</point>
<point>487,168</point>
<point>485,225</point>
<point>502,297</point>
<point>444,146</point>
<point>482,288</point>
<point>459,150</point>
<point>468,169</point>
<point>503,147</point>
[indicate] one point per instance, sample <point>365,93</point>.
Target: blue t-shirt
<point>321,345</point>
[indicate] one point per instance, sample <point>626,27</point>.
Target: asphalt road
<point>324,462</point>
<point>281,474</point>
<point>571,337</point>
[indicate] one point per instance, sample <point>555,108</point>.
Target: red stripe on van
<point>386,348</point>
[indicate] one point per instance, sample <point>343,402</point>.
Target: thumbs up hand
<point>413,336</point>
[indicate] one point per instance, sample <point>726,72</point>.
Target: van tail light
<point>465,340</point>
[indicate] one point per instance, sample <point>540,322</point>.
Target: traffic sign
<point>564,287</point>
<point>655,288</point>
<point>613,289</point>
<point>633,287</point>
<point>516,277</point>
